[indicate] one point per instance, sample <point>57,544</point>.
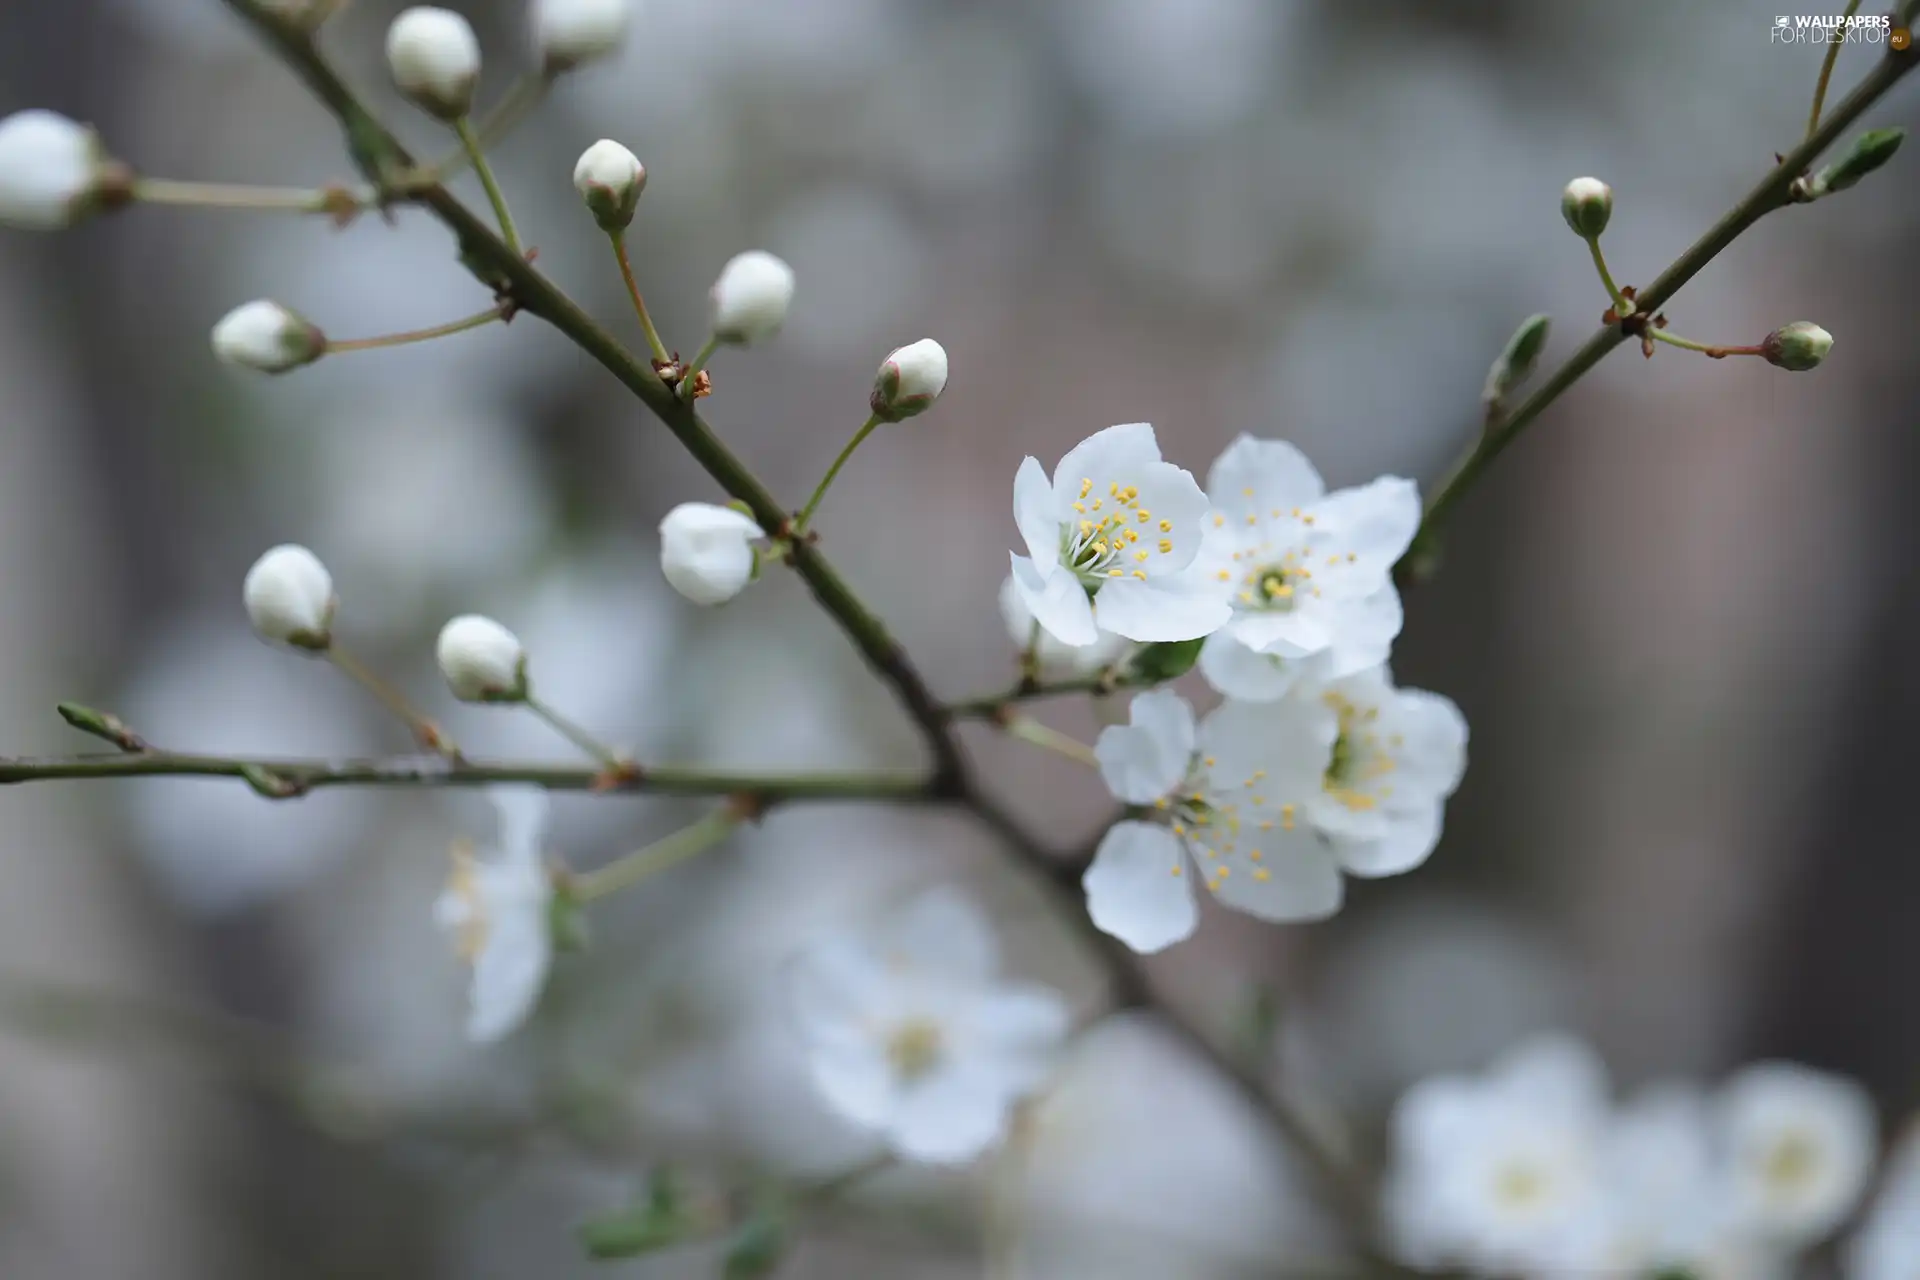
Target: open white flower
<point>1398,755</point>
<point>1500,1172</point>
<point>1663,1204</point>
<point>706,552</point>
<point>1800,1146</point>
<point>1235,793</point>
<point>50,170</point>
<point>1308,574</point>
<point>1109,540</point>
<point>910,1033</point>
<point>1887,1246</point>
<point>1054,657</point>
<point>496,908</point>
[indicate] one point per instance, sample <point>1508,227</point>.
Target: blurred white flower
<point>910,1033</point>
<point>482,660</point>
<point>706,552</point>
<point>569,32</point>
<point>435,60</point>
<point>1109,539</point>
<point>1055,657</point>
<point>289,597</point>
<point>1800,1145</point>
<point>1236,793</point>
<point>1501,1172</point>
<point>215,845</point>
<point>1887,1245</point>
<point>750,300</point>
<point>610,179</point>
<point>50,170</point>
<point>266,336</point>
<point>1664,1207</point>
<point>911,378</point>
<point>496,908</point>
<point>1308,574</point>
<point>1399,754</point>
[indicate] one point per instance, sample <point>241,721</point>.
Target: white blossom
<point>435,60</point>
<point>1887,1246</point>
<point>1235,795</point>
<point>1800,1146</point>
<point>1501,1173</point>
<point>50,170</point>
<point>482,660</point>
<point>911,378</point>
<point>289,597</point>
<point>1308,574</point>
<point>707,552</point>
<point>568,33</point>
<point>610,179</point>
<point>1054,657</point>
<point>911,1034</point>
<point>1109,541</point>
<point>495,907</point>
<point>1397,756</point>
<point>751,297</point>
<point>266,336</point>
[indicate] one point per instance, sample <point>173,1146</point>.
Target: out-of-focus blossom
<point>435,60</point>
<point>1887,1245</point>
<point>289,597</point>
<point>706,552</point>
<point>568,33</point>
<point>482,660</point>
<point>496,908</point>
<point>266,336</point>
<point>51,170</point>
<point>1800,1145</point>
<point>910,1032</point>
<point>751,298</point>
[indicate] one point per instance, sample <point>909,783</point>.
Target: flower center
<point>914,1048</point>
<point>1792,1161</point>
<point>1112,536</point>
<point>1214,822</point>
<point>1520,1186</point>
<point>1360,757</point>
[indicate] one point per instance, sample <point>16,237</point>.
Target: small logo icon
<point>1900,38</point>
<point>1782,21</point>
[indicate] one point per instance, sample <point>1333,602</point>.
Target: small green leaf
<point>758,1247</point>
<point>1869,151</point>
<point>1515,363</point>
<point>630,1233</point>
<point>1168,660</point>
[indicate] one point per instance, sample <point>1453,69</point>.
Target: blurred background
<point>1679,616</point>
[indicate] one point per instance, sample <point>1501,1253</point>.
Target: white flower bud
<point>910,380</point>
<point>266,336</point>
<point>751,297</point>
<point>289,596</point>
<point>1798,346</point>
<point>570,32</point>
<point>52,171</point>
<point>610,179</point>
<point>706,551</point>
<point>1587,204</point>
<point>482,660</point>
<point>435,60</point>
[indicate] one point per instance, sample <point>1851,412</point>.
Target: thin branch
<point>385,162</point>
<point>1770,194</point>
<point>303,775</point>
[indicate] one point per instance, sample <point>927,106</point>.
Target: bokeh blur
<point>1679,616</point>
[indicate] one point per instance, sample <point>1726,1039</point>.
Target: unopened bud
<point>706,552</point>
<point>435,60</point>
<point>482,660</point>
<point>570,32</point>
<point>751,297</point>
<point>1798,346</point>
<point>266,336</point>
<point>53,171</point>
<point>610,179</point>
<point>1869,151</point>
<point>910,380</point>
<point>289,598</point>
<point>1587,204</point>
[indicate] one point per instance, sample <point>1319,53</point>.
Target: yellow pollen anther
<point>1161,803</point>
<point>1225,576</point>
<point>1116,573</point>
<point>1141,556</point>
<point>1246,597</point>
<point>1145,515</point>
<point>1080,507</point>
<point>1140,573</point>
<point>1166,526</point>
<point>1166,546</point>
<point>1254,855</point>
<point>1262,874</point>
<point>1096,504</point>
<point>1246,493</point>
<point>1086,487</point>
<point>1179,830</point>
<point>1176,868</point>
<point>1209,762</point>
<point>1253,519</point>
<point>1218,521</point>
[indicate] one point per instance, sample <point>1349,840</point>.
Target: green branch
<point>1772,193</point>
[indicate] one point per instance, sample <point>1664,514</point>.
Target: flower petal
<point>1302,880</point>
<point>1035,512</point>
<point>1147,757</point>
<point>1255,476</point>
<point>1373,522</point>
<point>1363,631</point>
<point>1240,672</point>
<point>522,813</point>
<point>1151,611</point>
<point>833,989</point>
<point>949,1117</point>
<point>1299,634</point>
<point>856,1080</point>
<point>1409,838</point>
<point>509,971</point>
<point>942,933</point>
<point>1056,600</point>
<point>1137,887</point>
<point>1129,447</point>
